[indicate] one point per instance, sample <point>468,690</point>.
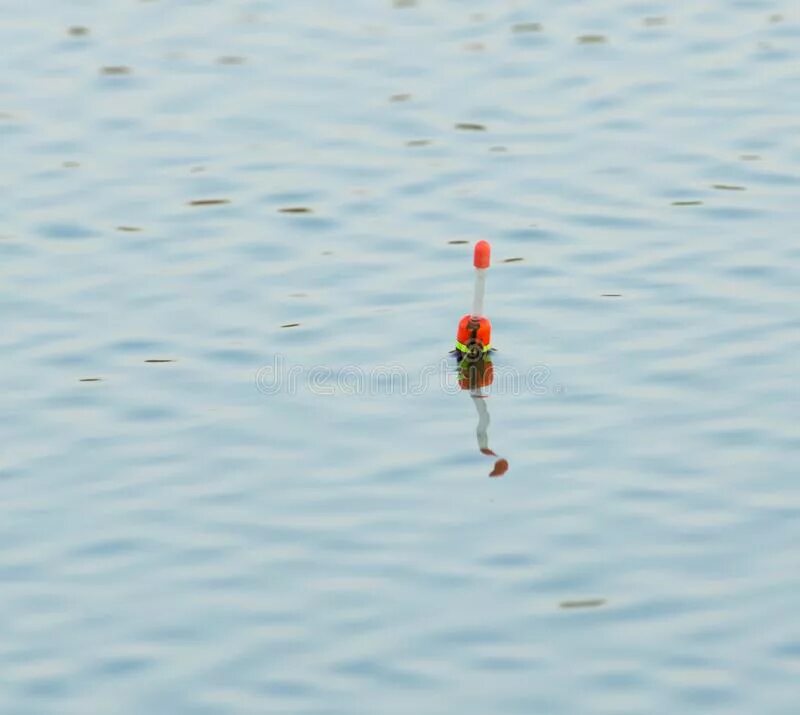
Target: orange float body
<point>474,336</point>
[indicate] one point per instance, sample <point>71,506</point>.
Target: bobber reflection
<point>474,376</point>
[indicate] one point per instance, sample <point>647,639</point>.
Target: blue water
<point>273,521</point>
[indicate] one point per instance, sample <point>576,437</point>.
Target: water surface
<point>198,196</point>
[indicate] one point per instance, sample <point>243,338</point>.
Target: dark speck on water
<point>611,295</point>
<point>457,242</point>
<point>116,70</point>
<point>295,210</point>
<point>404,3</point>
<point>418,142</point>
<point>231,60</point>
<point>592,39</point>
<point>403,97</point>
<point>159,360</point>
<point>687,203</point>
<point>587,603</point>
<point>78,31</point>
<point>290,325</point>
<point>128,229</point>
<point>91,379</point>
<point>471,127</point>
<point>209,202</point>
<point>512,260</point>
<point>727,187</point>
<point>526,27</point>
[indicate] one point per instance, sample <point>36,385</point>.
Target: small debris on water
<point>527,27</point>
<point>470,127</point>
<point>159,360</point>
<point>295,210</point>
<point>687,203</point>
<point>728,187</point>
<point>128,229</point>
<point>457,242</point>
<point>592,39</point>
<point>611,295</point>
<point>91,379</point>
<point>116,70</point>
<point>402,97</point>
<point>78,31</point>
<point>230,60</point>
<point>587,603</point>
<point>418,142</point>
<point>512,260</point>
<point>290,325</point>
<point>209,202</point>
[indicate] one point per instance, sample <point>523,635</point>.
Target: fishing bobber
<point>474,337</point>
<point>474,334</point>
